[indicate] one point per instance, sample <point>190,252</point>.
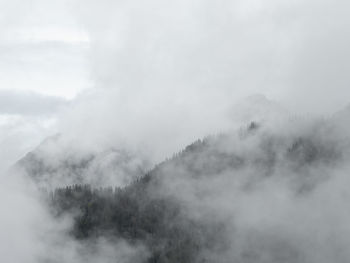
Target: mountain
<point>341,119</point>
<point>55,163</point>
<point>259,109</point>
<point>218,200</point>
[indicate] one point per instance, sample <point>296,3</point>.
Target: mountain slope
<point>258,108</point>
<point>53,164</point>
<point>212,201</point>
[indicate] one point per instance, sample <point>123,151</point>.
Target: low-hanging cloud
<point>284,199</point>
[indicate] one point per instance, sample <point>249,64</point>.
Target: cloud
<point>164,69</point>
<point>25,119</point>
<point>29,103</point>
<point>31,234</point>
<point>284,199</point>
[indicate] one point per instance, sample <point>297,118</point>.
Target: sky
<point>43,49</point>
<point>43,65</point>
<point>118,68</point>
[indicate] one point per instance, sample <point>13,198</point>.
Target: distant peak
<point>257,97</point>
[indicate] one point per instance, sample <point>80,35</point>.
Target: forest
<point>147,211</point>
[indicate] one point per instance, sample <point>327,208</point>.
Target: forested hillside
<point>173,209</point>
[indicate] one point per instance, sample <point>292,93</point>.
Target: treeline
<point>139,213</point>
<point>142,212</point>
<point>134,214</point>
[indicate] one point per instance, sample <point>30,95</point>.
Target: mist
<point>158,63</point>
<point>274,206</point>
<point>187,131</point>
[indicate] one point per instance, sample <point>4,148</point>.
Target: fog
<point>165,69</point>
<point>127,84</point>
<point>273,209</point>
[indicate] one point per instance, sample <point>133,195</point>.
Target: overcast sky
<point>136,64</point>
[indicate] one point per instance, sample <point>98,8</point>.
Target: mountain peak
<point>257,108</point>
<point>258,98</point>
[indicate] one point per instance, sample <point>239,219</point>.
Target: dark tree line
<point>134,215</point>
